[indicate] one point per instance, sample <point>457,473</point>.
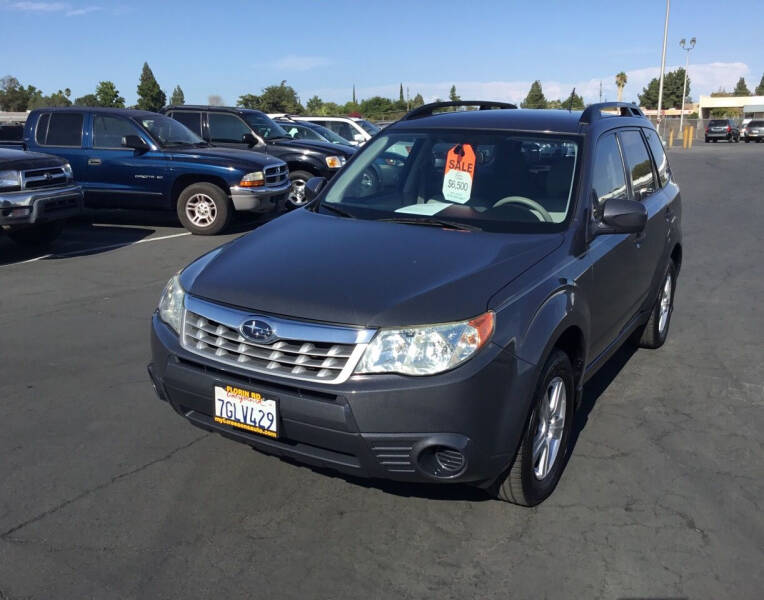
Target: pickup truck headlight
<point>428,349</point>
<point>335,162</point>
<point>68,171</point>
<point>171,303</point>
<point>10,181</point>
<point>256,179</point>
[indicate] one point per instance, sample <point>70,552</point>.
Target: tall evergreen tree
<point>400,94</point>
<point>354,98</point>
<point>417,101</point>
<point>741,89</point>
<point>107,94</point>
<point>760,87</point>
<point>673,83</point>
<point>452,94</point>
<point>150,95</point>
<point>535,97</point>
<point>178,98</point>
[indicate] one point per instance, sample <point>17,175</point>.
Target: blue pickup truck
<point>126,158</point>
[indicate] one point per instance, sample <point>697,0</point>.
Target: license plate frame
<point>246,409</point>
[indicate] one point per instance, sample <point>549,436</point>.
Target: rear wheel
<point>656,329</point>
<point>296,196</point>
<point>747,141</point>
<point>540,458</point>
<point>37,235</point>
<point>204,209</point>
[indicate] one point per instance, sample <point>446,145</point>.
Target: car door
<point>615,257</point>
<point>227,130</point>
<point>64,134</point>
<point>644,186</point>
<point>121,177</point>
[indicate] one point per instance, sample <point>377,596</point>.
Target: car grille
<point>325,353</point>
<point>39,178</point>
<point>276,175</point>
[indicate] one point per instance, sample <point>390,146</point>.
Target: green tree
<point>722,111</point>
<point>178,98</point>
<point>330,109</point>
<point>87,100</point>
<point>57,99</point>
<point>15,97</point>
<point>248,101</point>
<point>620,82</point>
<point>351,108</point>
<point>355,100</point>
<point>673,82</point>
<point>535,97</point>
<point>314,105</point>
<point>108,95</point>
<point>741,89</point>
<point>452,94</point>
<point>417,101</point>
<point>280,99</point>
<point>376,107</point>
<point>400,94</point>
<point>150,95</point>
<point>760,87</point>
<point>573,102</point>
<point>557,104</point>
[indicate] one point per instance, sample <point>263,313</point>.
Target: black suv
<point>439,325</point>
<point>722,129</point>
<point>253,130</point>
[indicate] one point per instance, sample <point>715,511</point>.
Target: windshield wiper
<point>430,222</point>
<point>337,211</point>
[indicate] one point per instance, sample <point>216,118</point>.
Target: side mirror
<point>622,216</point>
<point>135,142</point>
<point>313,187</point>
<point>249,139</point>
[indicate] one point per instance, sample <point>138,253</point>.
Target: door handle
<point>94,161</point>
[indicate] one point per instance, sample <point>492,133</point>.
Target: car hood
<point>332,269</point>
<point>21,160</point>
<point>243,159</point>
<point>325,148</point>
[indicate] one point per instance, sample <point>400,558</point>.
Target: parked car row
<point>750,130</point>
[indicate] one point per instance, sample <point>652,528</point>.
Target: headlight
<point>256,179</point>
<point>171,303</point>
<point>10,180</point>
<point>335,162</point>
<point>428,349</point>
<point>68,171</point>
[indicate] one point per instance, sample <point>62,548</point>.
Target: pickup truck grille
<point>39,178</point>
<point>275,175</point>
<point>324,354</point>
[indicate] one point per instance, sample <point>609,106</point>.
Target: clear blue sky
<point>488,49</point>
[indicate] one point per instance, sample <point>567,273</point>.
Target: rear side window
<point>192,120</point>
<point>638,162</point>
<point>108,131</point>
<point>608,179</point>
<point>226,128</point>
<point>756,124</point>
<point>659,155</point>
<point>64,129</point>
<point>42,128</point>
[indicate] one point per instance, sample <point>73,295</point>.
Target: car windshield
<point>328,134</point>
<point>370,128</point>
<point>169,132</point>
<point>502,182</point>
<point>264,126</point>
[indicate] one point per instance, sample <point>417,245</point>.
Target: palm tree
<point>620,82</point>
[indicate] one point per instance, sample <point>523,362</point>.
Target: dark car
<point>305,130</point>
<point>126,158</point>
<point>722,129</point>
<point>754,131</point>
<point>254,130</point>
<point>37,194</point>
<point>439,327</point>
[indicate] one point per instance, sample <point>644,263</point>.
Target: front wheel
<point>204,209</point>
<point>37,235</point>
<point>540,458</point>
<point>297,197</point>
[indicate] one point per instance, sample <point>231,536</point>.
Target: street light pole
<point>687,49</point>
<point>663,65</point>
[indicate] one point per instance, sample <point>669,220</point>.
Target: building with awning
<point>751,106</point>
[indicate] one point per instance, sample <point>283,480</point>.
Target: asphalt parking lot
<point>106,493</point>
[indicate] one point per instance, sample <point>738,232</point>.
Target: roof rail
<point>594,111</point>
<point>426,110</point>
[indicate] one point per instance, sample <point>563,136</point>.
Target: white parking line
<point>97,249</point>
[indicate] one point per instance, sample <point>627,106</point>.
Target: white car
<point>355,130</point>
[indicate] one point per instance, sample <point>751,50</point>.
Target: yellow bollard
<point>685,135</point>
<point>671,138</point>
<point>692,135</point>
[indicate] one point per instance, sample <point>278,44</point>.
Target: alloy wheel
<point>201,210</point>
<point>297,193</point>
<point>551,425</point>
<point>665,307</point>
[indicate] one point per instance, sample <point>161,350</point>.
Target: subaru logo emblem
<point>257,331</point>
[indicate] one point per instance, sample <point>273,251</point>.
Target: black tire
<point>707,140</point>
<point>653,335</point>
<point>191,209</point>
<point>296,195</point>
<point>37,235</point>
<point>714,141</point>
<point>519,484</point>
<point>747,141</point>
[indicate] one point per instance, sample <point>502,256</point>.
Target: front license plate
<point>246,409</point>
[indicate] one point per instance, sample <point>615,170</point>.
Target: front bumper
<point>28,207</point>
<point>382,426</point>
<point>261,199</point>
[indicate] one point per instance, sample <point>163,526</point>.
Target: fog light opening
<point>442,462</point>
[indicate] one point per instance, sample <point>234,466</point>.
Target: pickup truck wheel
<point>204,209</point>
<point>296,196</point>
<point>37,235</point>
<point>656,329</point>
<point>540,459</point>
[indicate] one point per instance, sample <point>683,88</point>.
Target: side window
<point>42,128</point>
<point>638,162</point>
<point>608,178</point>
<point>226,128</point>
<point>659,156</point>
<point>64,129</point>
<point>192,120</point>
<point>108,131</point>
